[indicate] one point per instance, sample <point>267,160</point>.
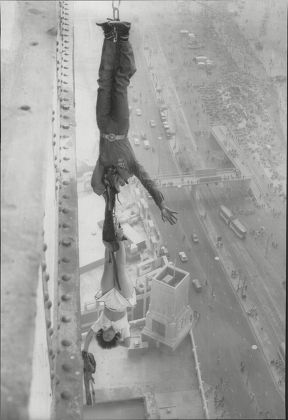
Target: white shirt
<point>114,301</point>
<point>122,325</point>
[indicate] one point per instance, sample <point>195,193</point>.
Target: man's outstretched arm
<point>167,214</point>
<point>88,339</point>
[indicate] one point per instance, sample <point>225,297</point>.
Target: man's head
<point>107,339</point>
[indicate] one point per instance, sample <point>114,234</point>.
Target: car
<point>143,136</point>
<point>146,144</point>
<point>195,238</point>
<point>138,112</point>
<point>183,257</point>
<point>152,123</point>
<point>164,251</point>
<point>165,124</point>
<point>197,285</point>
<point>168,134</point>
<point>136,141</point>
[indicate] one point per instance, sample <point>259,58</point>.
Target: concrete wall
<point>26,108</point>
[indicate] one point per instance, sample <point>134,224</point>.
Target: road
<point>223,334</point>
<point>224,305</point>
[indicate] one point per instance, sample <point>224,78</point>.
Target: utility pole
<point>239,279</point>
<point>267,245</point>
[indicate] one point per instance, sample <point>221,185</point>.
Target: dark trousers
<point>112,111</point>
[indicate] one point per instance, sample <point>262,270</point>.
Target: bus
<point>232,221</point>
<point>238,228</point>
<point>225,214</point>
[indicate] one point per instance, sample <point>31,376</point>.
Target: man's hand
<point>168,214</point>
<point>84,354</point>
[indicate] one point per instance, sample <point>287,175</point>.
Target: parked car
<point>138,112</point>
<point>136,141</point>
<point>146,144</point>
<point>195,238</point>
<point>152,123</point>
<point>183,257</point>
<point>197,285</point>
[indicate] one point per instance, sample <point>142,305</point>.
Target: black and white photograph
<point>143,209</point>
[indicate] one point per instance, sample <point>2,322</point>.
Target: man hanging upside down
<point>112,328</point>
<point>117,161</point>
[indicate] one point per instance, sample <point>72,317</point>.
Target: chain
<point>115,7</point>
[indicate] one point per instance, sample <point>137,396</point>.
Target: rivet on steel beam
<point>50,331</point>
<point>66,343</point>
<point>51,352</point>
<point>44,247</point>
<point>65,260</point>
<point>66,183</point>
<point>66,242</point>
<point>66,277</point>
<point>66,197</point>
<point>52,376</point>
<point>65,126</point>
<point>48,324</point>
<point>57,380</point>
<point>54,142</point>
<point>65,318</point>
<point>46,296</point>
<point>49,304</point>
<point>46,277</point>
<point>65,170</point>
<point>53,356</point>
<point>65,225</point>
<point>67,367</point>
<point>59,325</point>
<point>66,395</point>
<point>59,301</point>
<point>44,266</point>
<point>66,158</point>
<point>66,298</point>
<point>65,210</point>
